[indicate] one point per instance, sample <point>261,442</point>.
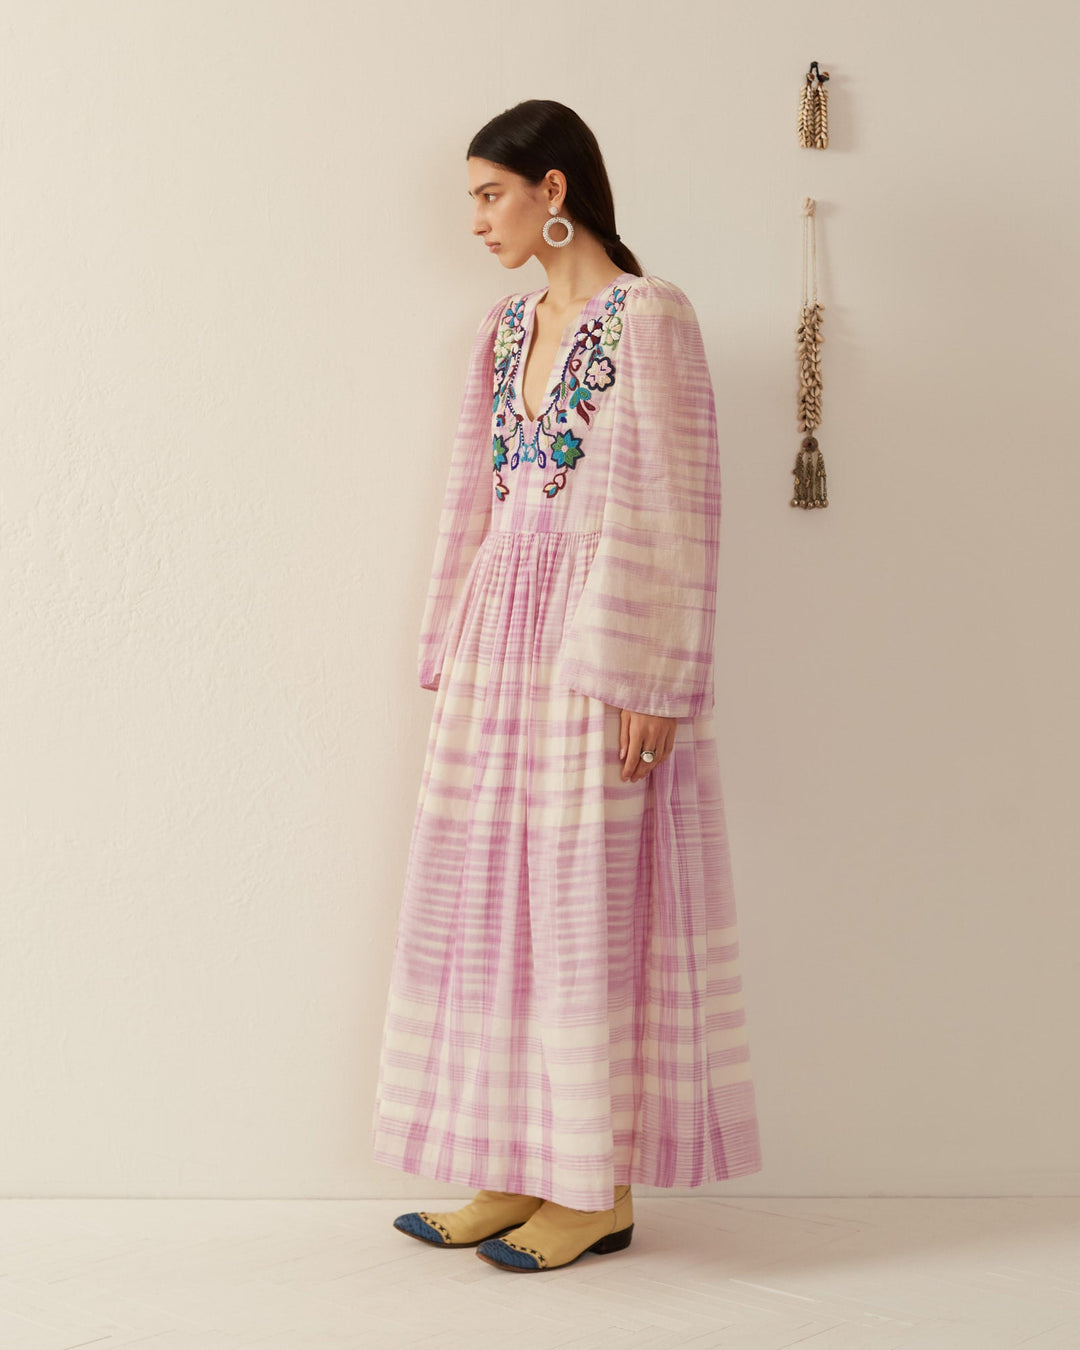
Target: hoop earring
<point>556,219</point>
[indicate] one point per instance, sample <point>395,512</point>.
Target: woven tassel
<point>813,123</point>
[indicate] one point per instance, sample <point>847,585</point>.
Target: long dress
<point>565,1010</point>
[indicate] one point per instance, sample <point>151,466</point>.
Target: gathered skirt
<point>565,1010</point>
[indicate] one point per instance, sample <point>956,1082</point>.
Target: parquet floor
<point>762,1274</point>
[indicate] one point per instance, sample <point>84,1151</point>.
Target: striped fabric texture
<point>565,1012</point>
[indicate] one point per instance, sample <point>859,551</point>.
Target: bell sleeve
<point>466,510</point>
<point>641,634</point>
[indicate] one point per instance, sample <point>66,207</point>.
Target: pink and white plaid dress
<point>565,1012</point>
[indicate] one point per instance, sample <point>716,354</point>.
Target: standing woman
<point>565,1012</point>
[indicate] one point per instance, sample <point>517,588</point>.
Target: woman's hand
<point>642,731</point>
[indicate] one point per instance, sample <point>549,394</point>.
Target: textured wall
<point>237,294</point>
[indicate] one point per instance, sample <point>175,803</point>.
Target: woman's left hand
<point>642,731</point>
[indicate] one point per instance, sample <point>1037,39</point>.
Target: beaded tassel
<point>810,483</point>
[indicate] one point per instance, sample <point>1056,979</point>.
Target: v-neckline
<point>528,337</point>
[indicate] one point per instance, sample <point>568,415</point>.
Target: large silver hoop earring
<point>558,220</point>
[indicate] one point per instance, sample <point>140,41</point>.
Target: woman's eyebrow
<point>480,188</point>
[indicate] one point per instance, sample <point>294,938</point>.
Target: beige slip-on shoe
<point>557,1235</point>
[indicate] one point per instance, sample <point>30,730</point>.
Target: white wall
<point>238,289</point>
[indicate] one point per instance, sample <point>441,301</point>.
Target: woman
<point>565,1012</point>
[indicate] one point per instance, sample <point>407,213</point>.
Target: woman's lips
<point>492,245</point>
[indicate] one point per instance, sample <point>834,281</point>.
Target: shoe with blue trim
<point>488,1214</point>
<point>558,1236</point>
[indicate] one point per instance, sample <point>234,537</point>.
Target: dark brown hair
<point>533,137</point>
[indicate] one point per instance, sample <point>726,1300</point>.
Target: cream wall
<point>238,289</point>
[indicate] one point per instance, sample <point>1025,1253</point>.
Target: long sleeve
<point>466,511</point>
<point>641,635</point>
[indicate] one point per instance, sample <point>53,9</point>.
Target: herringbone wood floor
<point>864,1274</point>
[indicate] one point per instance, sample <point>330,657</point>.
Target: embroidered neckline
<point>532,300</point>
<point>587,370</point>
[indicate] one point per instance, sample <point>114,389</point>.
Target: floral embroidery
<point>587,373</point>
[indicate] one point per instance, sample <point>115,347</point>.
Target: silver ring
<point>648,756</point>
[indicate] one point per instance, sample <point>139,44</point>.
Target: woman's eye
<point>489,194</point>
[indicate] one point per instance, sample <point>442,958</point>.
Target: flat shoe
<point>488,1214</point>
<point>557,1235</point>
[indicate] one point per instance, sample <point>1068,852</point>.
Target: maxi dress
<point>565,1011</point>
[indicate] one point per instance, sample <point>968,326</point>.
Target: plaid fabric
<point>565,1011</point>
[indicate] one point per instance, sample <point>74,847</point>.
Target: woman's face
<point>508,215</point>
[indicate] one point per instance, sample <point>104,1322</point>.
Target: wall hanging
<point>814,109</point>
<point>811,488</point>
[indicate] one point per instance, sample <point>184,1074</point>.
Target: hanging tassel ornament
<point>813,121</point>
<point>811,488</point>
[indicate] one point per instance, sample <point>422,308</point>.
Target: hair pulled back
<point>538,135</point>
